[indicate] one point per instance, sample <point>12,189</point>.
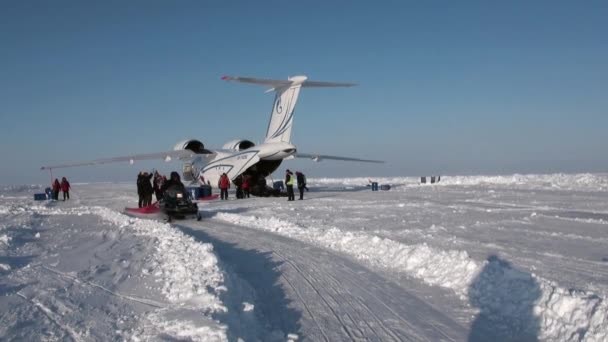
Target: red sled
<point>151,209</point>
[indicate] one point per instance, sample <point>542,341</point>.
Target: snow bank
<point>190,277</point>
<point>493,286</point>
<point>559,181</point>
<point>186,272</point>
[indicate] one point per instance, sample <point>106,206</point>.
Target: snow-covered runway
<point>471,258</point>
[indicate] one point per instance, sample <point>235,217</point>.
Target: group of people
<point>242,186</point>
<point>64,186</point>
<point>159,185</point>
<point>145,189</point>
<point>290,180</point>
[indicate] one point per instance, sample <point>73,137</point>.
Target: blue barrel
<point>206,190</point>
<point>40,197</point>
<point>374,186</point>
<point>278,185</point>
<point>385,187</point>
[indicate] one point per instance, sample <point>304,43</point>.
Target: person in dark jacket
<point>174,182</point>
<point>224,185</point>
<point>301,183</point>
<point>157,183</point>
<point>289,181</point>
<point>146,189</point>
<point>140,181</point>
<point>56,187</point>
<point>65,188</point>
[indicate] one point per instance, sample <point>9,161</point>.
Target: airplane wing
<point>319,157</point>
<point>166,156</point>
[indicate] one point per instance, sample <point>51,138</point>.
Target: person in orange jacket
<point>65,187</point>
<point>224,185</point>
<point>245,186</point>
<point>56,187</point>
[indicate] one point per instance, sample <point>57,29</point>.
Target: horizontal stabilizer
<point>166,156</point>
<point>292,81</point>
<point>319,157</point>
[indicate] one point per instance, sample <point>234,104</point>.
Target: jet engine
<point>238,145</point>
<point>191,145</point>
<point>190,171</point>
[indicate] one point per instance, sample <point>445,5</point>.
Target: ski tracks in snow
<point>338,299</point>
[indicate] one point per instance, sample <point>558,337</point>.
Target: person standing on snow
<point>140,181</point>
<point>157,183</point>
<point>239,186</point>
<point>146,189</point>
<point>56,187</point>
<point>224,185</point>
<point>65,187</point>
<point>301,183</point>
<point>245,186</point>
<point>289,181</point>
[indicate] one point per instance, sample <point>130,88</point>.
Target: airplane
<point>241,157</point>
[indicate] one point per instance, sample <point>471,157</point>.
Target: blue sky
<point>445,87</point>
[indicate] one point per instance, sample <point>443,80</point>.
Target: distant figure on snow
<point>157,183</point>
<point>239,186</point>
<point>146,189</point>
<point>56,187</point>
<point>65,187</point>
<point>289,181</point>
<point>245,186</point>
<point>301,183</point>
<point>140,181</point>
<point>224,185</point>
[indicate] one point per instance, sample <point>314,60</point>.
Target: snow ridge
<point>558,181</point>
<point>561,314</point>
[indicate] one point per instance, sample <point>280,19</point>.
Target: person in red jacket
<point>56,187</point>
<point>245,186</point>
<point>65,187</point>
<point>224,185</point>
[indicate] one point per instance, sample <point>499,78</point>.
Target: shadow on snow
<point>261,276</point>
<point>505,297</point>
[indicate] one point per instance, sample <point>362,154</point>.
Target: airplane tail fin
<point>286,96</point>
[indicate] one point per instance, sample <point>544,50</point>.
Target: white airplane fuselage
<point>269,157</point>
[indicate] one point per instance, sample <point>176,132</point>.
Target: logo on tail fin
<point>278,107</point>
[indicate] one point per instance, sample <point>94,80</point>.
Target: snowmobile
<point>176,203</point>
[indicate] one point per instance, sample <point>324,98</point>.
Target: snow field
<point>550,227</point>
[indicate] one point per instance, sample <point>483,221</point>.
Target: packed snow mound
<point>520,302</point>
<point>185,271</point>
<point>559,181</point>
